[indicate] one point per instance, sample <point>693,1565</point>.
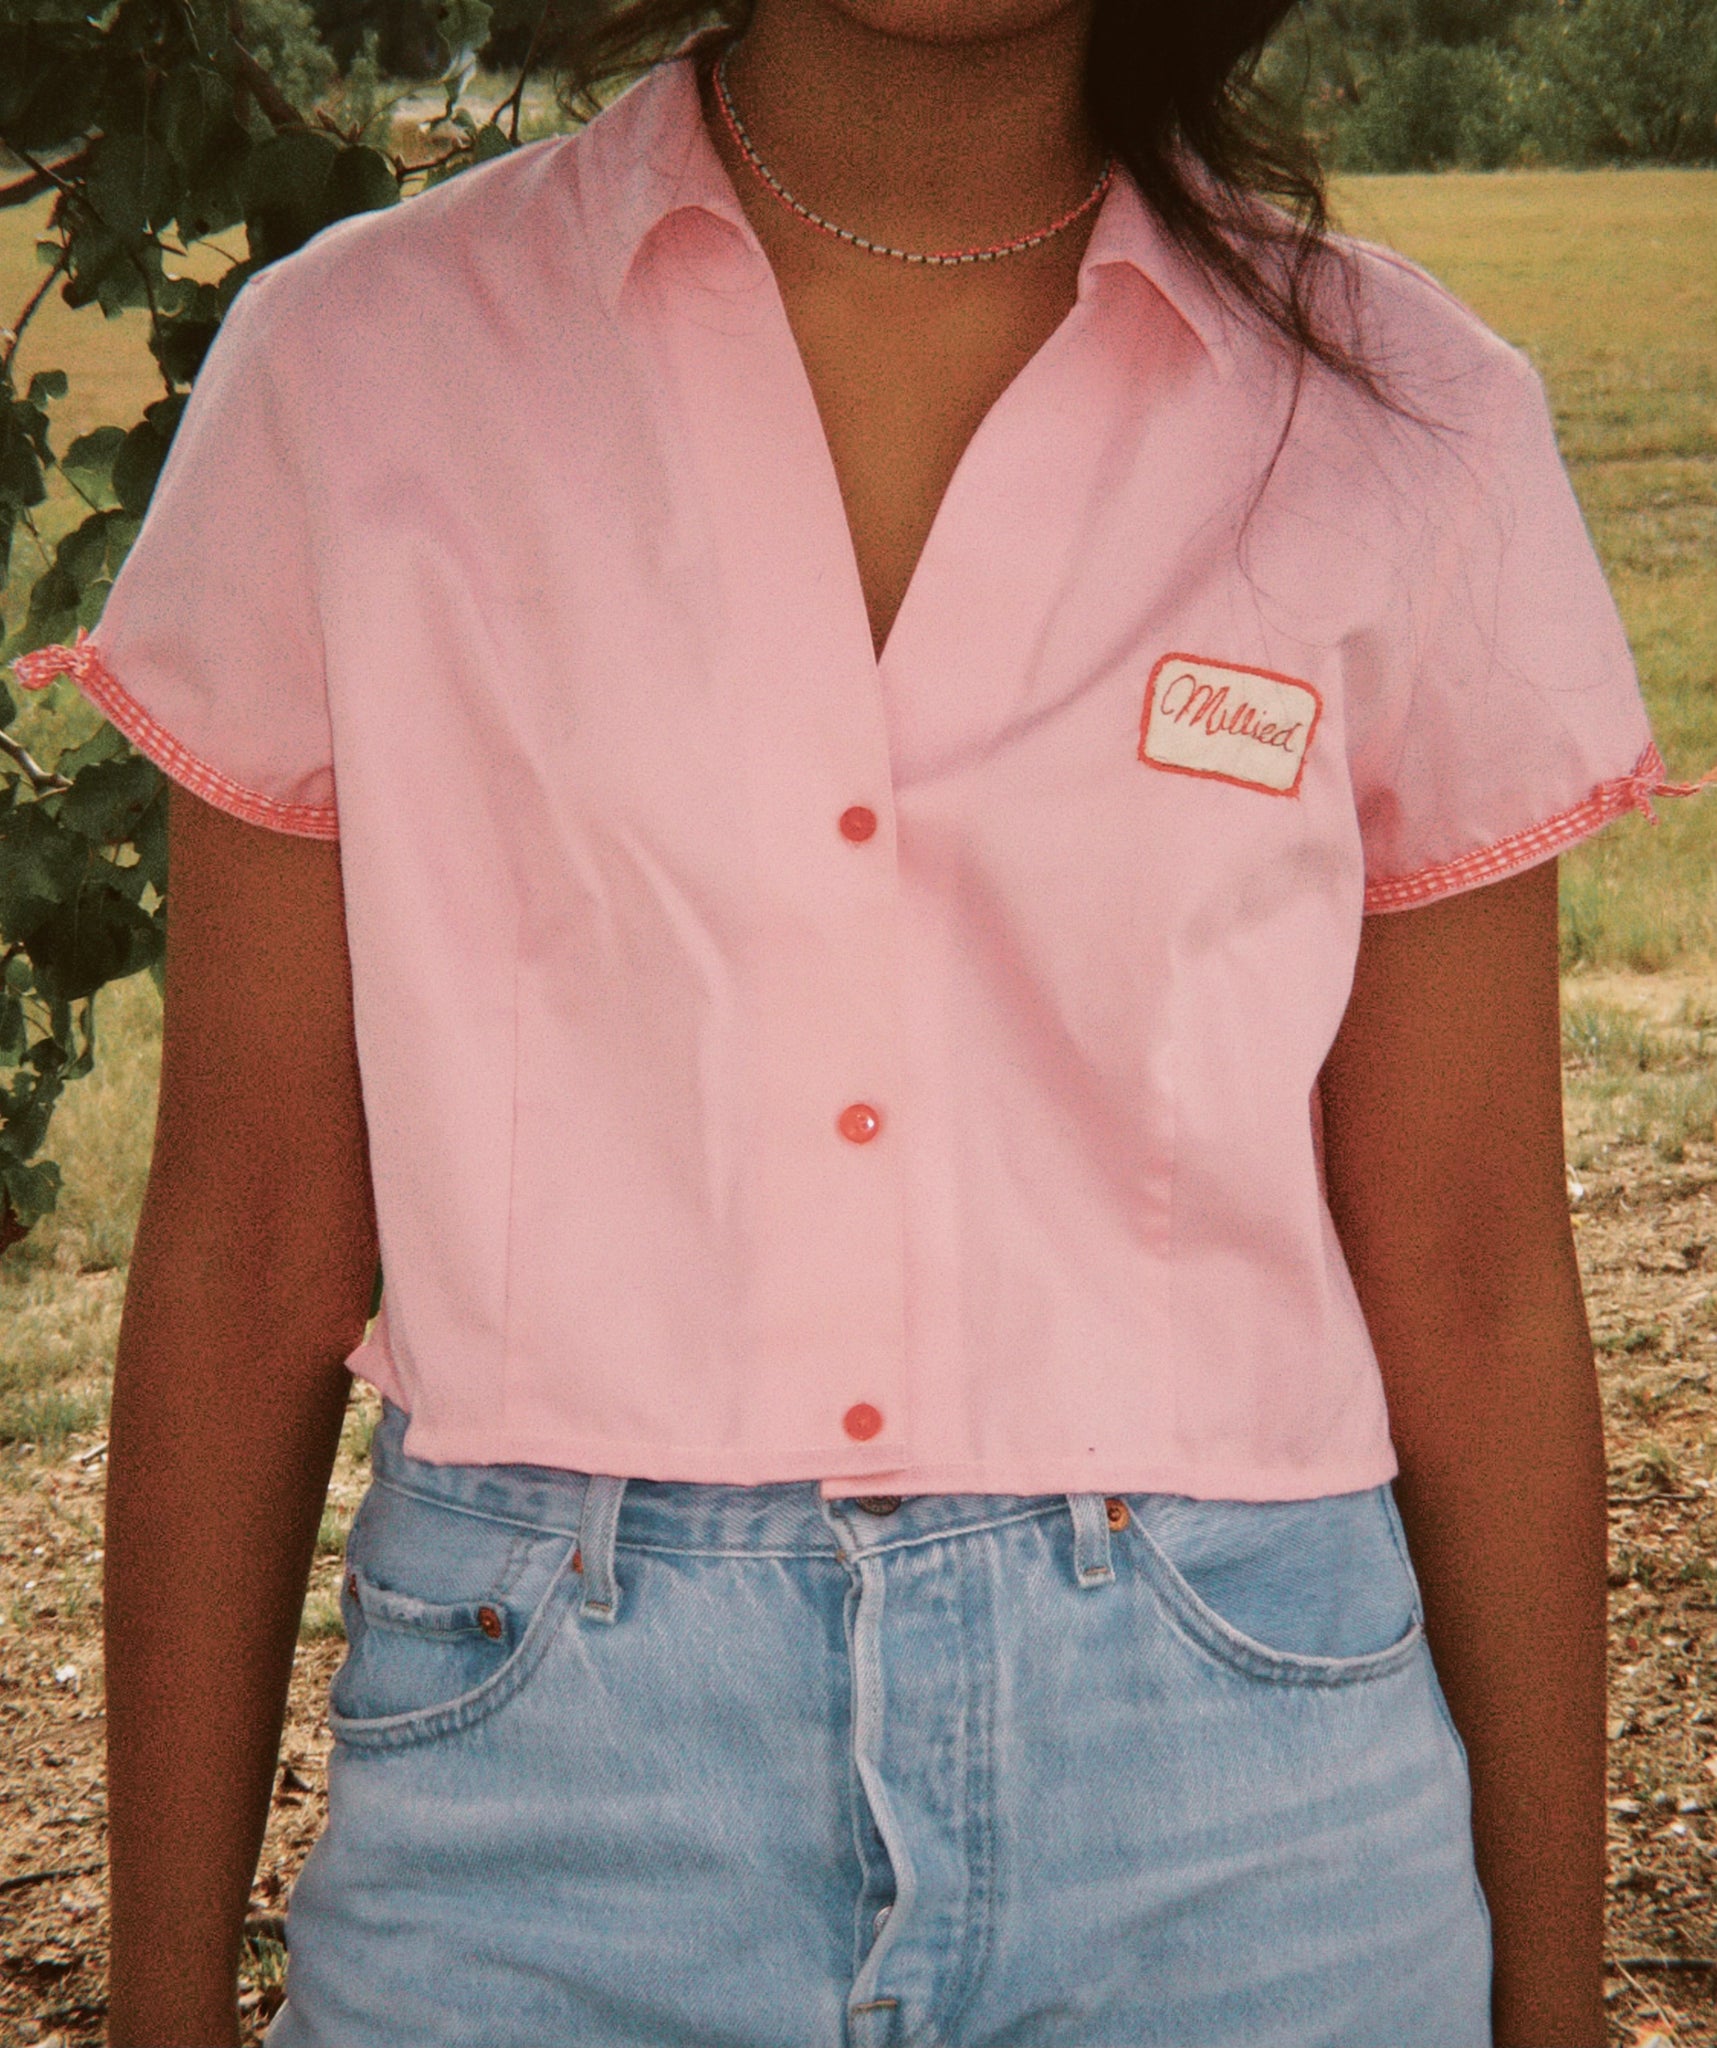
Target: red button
<point>858,824</point>
<point>862,1421</point>
<point>858,1123</point>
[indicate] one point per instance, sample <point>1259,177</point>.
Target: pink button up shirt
<point>782,1063</point>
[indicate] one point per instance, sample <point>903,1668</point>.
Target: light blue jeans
<point>731,1767</point>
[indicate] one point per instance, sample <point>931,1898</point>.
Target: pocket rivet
<point>490,1623</point>
<point>578,1560</point>
<point>352,1584</point>
<point>1116,1510</point>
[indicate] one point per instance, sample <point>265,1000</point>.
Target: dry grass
<point>1634,1080</point>
<point>1609,281</point>
<point>60,1290</point>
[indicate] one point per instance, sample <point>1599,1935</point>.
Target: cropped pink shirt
<point>782,1063</point>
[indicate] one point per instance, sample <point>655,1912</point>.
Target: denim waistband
<point>781,1519</point>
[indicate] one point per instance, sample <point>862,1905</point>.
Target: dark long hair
<point>1172,88</point>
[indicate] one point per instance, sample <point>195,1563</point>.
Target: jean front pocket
<point>1316,1592</point>
<point>446,1614</point>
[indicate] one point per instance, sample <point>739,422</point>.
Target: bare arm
<point>1444,1146</point>
<point>250,1283</point>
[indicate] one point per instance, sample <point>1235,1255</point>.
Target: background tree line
<point>1399,85</point>
<point>1385,85</point>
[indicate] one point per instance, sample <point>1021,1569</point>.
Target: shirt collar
<point>645,157</point>
<point>648,155</point>
<point>1127,235</point>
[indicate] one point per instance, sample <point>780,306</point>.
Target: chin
<point>954,21</point>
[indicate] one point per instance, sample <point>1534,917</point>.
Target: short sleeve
<point>208,653</point>
<point>1517,725</point>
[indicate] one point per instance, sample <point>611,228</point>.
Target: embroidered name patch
<point>1241,725</point>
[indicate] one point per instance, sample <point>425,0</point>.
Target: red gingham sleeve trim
<point>1631,792</point>
<point>98,683</point>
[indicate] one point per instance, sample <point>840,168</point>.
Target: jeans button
<point>879,1503</point>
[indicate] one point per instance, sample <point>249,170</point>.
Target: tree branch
<point>279,111</point>
<point>516,98</point>
<point>42,781</point>
<point>15,334</point>
<point>50,175</point>
<point>30,1877</point>
<point>404,170</point>
<point>44,178</point>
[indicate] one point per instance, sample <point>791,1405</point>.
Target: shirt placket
<point>820,1297</point>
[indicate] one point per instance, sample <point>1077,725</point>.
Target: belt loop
<point>602,1497</point>
<point>1091,1565</point>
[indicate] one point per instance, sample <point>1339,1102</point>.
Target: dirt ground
<point>1647,1230</point>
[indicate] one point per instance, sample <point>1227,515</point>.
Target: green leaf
<point>164,415</point>
<point>28,1103</point>
<point>362,181</point>
<point>82,555</point>
<point>97,936</point>
<point>52,77</point>
<point>131,184</point>
<point>186,324</point>
<point>213,197</point>
<point>21,483</point>
<point>84,1058</point>
<point>128,878</point>
<point>41,864</point>
<point>150,845</point>
<point>32,1190</point>
<point>53,610</point>
<point>122,530</point>
<point>136,467</point>
<point>88,464</point>
<point>286,192</point>
<point>93,603</point>
<point>195,103</point>
<point>491,142</point>
<point>105,267</point>
<point>107,799</point>
<point>142,453</point>
<point>46,384</point>
<point>233,282</point>
<point>106,743</point>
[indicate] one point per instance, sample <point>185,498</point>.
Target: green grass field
<point>1608,279</point>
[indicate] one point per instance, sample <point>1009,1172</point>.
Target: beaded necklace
<point>748,149</point>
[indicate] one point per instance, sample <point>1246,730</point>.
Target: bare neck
<point>924,143</point>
